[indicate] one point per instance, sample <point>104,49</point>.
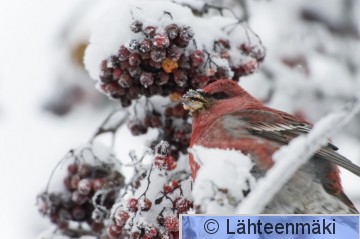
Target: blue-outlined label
<point>274,227</point>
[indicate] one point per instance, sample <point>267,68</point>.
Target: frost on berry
<point>85,186</point>
<point>180,77</point>
<point>165,162</point>
<point>171,223</point>
<point>145,204</point>
<point>146,79</point>
<point>145,45</point>
<point>125,80</point>
<point>157,55</point>
<point>186,33</point>
<point>82,200</point>
<point>172,30</point>
<point>132,204</point>
<point>150,31</point>
<point>121,217</point>
<point>161,40</point>
<point>114,231</point>
<point>151,232</point>
<point>133,45</point>
<point>197,58</point>
<point>134,59</point>
<point>123,53</point>
<point>182,204</point>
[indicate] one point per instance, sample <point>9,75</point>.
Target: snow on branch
<point>291,157</point>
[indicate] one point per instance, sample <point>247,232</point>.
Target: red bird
<point>225,116</point>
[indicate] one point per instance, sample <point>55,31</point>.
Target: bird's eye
<point>219,95</point>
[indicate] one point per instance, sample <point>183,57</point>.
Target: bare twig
<point>111,129</point>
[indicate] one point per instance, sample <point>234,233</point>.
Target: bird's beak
<point>194,100</point>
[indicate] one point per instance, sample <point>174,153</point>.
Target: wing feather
<point>282,128</point>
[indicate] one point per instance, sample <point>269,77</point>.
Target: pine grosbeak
<point>225,116</point>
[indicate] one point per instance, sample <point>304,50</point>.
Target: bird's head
<point>216,92</point>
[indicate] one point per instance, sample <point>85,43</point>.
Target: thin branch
<point>111,129</point>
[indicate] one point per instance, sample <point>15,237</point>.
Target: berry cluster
<point>251,57</point>
<point>147,216</point>
<point>159,62</point>
<point>166,61</point>
<point>90,192</point>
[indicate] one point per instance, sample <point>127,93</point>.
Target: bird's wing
<point>281,127</point>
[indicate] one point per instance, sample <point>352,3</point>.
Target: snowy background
<point>34,44</point>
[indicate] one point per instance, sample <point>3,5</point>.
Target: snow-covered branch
<point>291,157</point>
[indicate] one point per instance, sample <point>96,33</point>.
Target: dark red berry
<point>145,204</point>
<point>134,92</point>
<point>162,78</point>
<point>79,198</point>
<point>145,45</point>
<point>186,33</point>
<point>72,168</point>
<point>84,170</point>
<point>134,59</point>
<point>181,42</point>
<point>199,81</point>
<point>171,223</point>
<point>180,77</point>
<point>132,204</point>
<point>174,52</point>
<point>161,40</point>
<point>97,226</point>
<point>125,64</point>
<point>158,55</point>
<point>67,183</point>
<point>116,74</point>
<point>197,58</point>
<point>125,80</point>
<point>75,181</point>
<point>146,79</point>
<point>150,31</point>
<point>114,89</point>
<point>121,217</point>
<point>182,205</point>
<point>154,64</point>
<point>165,162</point>
<point>123,53</point>
<point>172,30</point>
<point>106,75</point>
<point>168,189</point>
<point>134,71</point>
<point>151,232</point>
<point>114,231</point>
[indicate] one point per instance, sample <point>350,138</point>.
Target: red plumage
<point>225,116</point>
